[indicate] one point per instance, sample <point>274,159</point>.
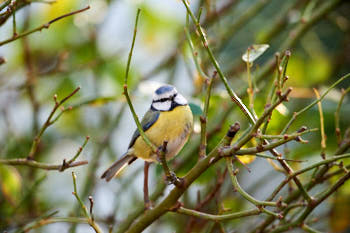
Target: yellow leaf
<point>11,183</point>
<point>247,159</point>
<point>60,7</point>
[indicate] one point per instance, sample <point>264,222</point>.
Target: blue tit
<point>168,119</point>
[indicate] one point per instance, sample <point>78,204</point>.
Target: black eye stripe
<point>161,100</point>
<point>165,99</point>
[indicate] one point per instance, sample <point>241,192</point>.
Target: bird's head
<point>166,98</point>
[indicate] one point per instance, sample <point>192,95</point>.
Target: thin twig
<point>89,218</point>
<point>204,118</point>
<point>79,150</point>
<point>323,135</point>
<point>237,100</point>
<point>47,123</point>
<point>277,158</point>
<point>221,217</point>
<point>309,229</point>
<point>146,199</point>
<point>45,166</point>
<point>324,195</point>
<point>337,113</point>
<point>136,119</point>
<point>301,171</point>
<point>296,114</point>
<point>194,53</point>
<point>170,176</point>
<point>230,151</point>
<point>44,26</point>
<point>204,40</point>
<point>241,191</point>
<point>12,8</point>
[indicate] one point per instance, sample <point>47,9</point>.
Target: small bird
<point>168,119</point>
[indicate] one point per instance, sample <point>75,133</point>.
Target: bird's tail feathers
<point>118,166</point>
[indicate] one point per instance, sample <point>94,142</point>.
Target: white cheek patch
<point>179,99</point>
<point>162,106</point>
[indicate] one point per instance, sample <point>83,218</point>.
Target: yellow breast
<point>173,126</point>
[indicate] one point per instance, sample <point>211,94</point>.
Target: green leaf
<point>254,51</point>
<point>196,110</point>
<point>10,182</point>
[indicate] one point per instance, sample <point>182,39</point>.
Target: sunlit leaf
<point>281,108</point>
<point>305,73</point>
<point>10,182</point>
<point>254,51</point>
<point>196,110</point>
<point>59,8</point>
<point>247,159</point>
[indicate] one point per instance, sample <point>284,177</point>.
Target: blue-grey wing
<point>148,120</point>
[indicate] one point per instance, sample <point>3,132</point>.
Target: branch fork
<point>171,177</point>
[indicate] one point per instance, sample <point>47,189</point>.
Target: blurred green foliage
<point>90,50</point>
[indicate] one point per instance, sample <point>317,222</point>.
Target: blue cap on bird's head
<point>165,89</point>
<point>166,98</point>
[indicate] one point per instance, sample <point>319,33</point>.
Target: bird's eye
<point>173,97</point>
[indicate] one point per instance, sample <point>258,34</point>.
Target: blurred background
<point>90,50</point>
